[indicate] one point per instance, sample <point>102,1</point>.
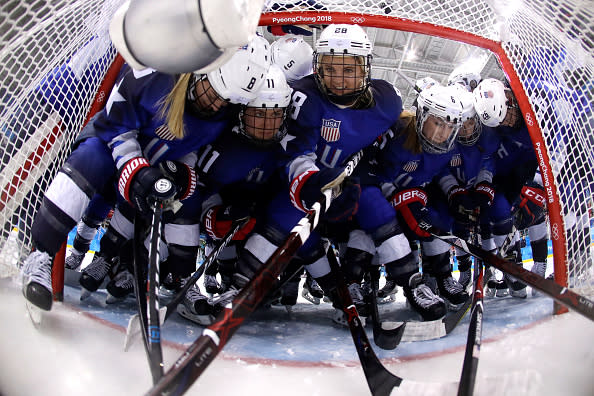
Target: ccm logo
<point>535,195</point>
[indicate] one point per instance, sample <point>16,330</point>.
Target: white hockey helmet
<point>240,78</point>
<point>467,78</point>
<point>345,41</point>
<point>490,102</point>
<point>443,106</point>
<point>471,128</point>
<point>293,55</point>
<point>262,121</point>
<point>425,82</point>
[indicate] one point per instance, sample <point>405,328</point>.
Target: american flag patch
<point>164,133</point>
<point>456,160</point>
<point>330,130</point>
<point>410,166</point>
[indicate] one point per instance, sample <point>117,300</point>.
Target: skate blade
<point>202,320</point>
<point>310,298</point>
<point>84,294</point>
<point>386,300</point>
<point>34,313</point>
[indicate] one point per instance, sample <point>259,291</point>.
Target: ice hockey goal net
<point>55,55</point>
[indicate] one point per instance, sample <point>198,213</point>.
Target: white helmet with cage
<point>445,109</point>
<point>466,78</point>
<point>490,102</point>
<point>239,79</point>
<point>344,41</point>
<point>471,126</point>
<point>262,121</point>
<point>293,55</point>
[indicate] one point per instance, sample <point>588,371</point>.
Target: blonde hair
<point>408,127</point>
<point>172,107</point>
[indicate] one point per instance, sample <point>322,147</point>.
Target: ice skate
<point>312,292</point>
<point>195,306</point>
<point>452,292</point>
<point>465,278</point>
<point>211,285</point>
<point>516,288</point>
<point>74,260</point>
<point>423,300</point>
<point>93,275</point>
<point>37,280</point>
<point>120,287</point>
<point>387,294</point>
<point>539,268</point>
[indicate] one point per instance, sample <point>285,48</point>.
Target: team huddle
<point>257,140</point>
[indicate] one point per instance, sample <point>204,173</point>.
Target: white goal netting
<point>55,55</point>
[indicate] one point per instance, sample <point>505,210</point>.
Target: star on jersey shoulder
<point>286,140</point>
<point>114,97</point>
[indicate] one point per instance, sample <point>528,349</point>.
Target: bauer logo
<point>163,186</point>
<point>330,130</point>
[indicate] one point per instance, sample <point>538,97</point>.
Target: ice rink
<point>78,350</point>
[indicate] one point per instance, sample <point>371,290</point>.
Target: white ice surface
<point>73,354</point>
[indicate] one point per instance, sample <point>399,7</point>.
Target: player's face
<point>437,130</point>
<point>513,116</point>
<point>262,124</point>
<point>208,99</point>
<point>342,74</point>
<point>467,128</point>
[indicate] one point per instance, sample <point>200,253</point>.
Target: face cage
<point>345,99</point>
<point>428,145</point>
<point>277,137</point>
<point>202,111</point>
<point>513,117</point>
<point>471,139</point>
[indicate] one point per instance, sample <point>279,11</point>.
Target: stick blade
<point>132,331</point>
<point>388,338</point>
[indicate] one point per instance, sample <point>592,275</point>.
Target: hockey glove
<point>219,219</point>
<point>307,188</point>
<point>461,205</point>
<point>183,177</point>
<point>530,207</point>
<point>411,205</point>
<point>142,185</point>
<point>483,195</point>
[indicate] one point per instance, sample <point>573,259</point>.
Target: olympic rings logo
<point>555,231</point>
<point>101,96</point>
<point>358,19</point>
<point>529,119</point>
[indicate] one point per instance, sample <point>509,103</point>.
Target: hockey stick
<point>380,381</point>
<point>148,305</point>
<point>166,311</point>
<point>558,293</point>
<point>384,338</point>
<point>473,341</point>
<point>202,352</point>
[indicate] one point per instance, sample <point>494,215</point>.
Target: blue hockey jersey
<point>325,135</point>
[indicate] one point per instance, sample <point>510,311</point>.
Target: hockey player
<point>421,148</point>
<point>465,77</point>
<point>240,172</point>
<point>468,188</point>
<point>516,173</point>
<point>149,118</point>
<point>294,56</point>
